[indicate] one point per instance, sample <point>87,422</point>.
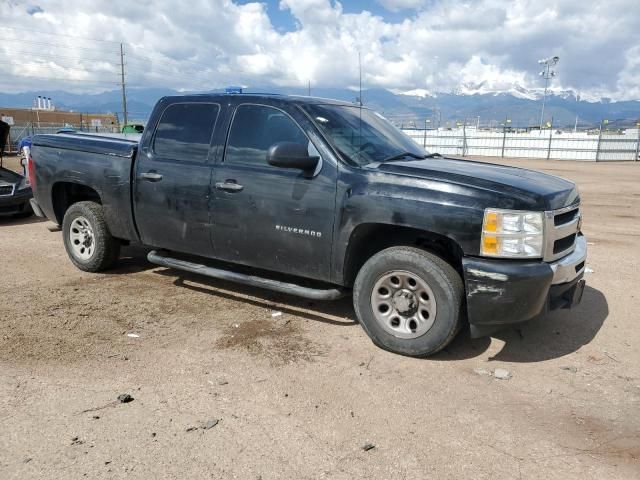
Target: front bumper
<point>504,292</point>
<point>16,204</point>
<point>36,208</point>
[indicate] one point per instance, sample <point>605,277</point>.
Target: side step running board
<point>313,293</point>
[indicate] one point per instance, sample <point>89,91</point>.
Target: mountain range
<point>408,108</point>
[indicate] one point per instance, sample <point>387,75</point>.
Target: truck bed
<point>88,143</point>
<point>64,160</point>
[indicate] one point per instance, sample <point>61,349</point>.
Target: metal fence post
<point>464,137</point>
<point>424,142</point>
<point>599,139</point>
<point>504,135</point>
<point>550,138</point>
<point>637,142</point>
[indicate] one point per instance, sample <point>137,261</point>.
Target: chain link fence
<point>466,141</point>
<point>19,132</point>
<point>596,145</point>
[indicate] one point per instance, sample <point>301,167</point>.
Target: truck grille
<point>6,190</point>
<point>566,217</point>
<point>564,244</point>
<point>561,230</point>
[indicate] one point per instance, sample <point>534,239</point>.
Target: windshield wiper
<point>402,155</point>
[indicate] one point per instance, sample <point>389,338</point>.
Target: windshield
<point>362,135</point>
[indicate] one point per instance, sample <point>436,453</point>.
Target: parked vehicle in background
<point>333,198</point>
<point>15,194</point>
<point>133,128</point>
<point>4,137</point>
<point>25,143</point>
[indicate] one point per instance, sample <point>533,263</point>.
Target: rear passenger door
<point>269,217</point>
<point>173,178</point>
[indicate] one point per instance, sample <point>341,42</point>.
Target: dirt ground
<point>298,394</point>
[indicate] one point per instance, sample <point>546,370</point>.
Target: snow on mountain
<point>417,92</point>
<point>514,89</point>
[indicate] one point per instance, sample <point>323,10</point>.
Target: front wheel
<point>409,301</point>
<point>87,239</point>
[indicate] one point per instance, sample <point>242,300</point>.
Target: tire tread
<point>431,262</point>
<point>107,247</point>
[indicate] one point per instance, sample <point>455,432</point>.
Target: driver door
<point>270,217</point>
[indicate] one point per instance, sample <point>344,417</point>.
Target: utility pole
<point>124,90</point>
<point>309,89</point>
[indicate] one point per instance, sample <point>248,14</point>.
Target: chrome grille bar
<point>7,190</point>
<point>555,232</point>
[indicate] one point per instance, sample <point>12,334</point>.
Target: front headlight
<point>512,234</point>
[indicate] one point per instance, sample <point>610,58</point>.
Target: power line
<point>158,66</point>
<point>52,45</point>
<point>174,75</point>
<point>40,59</point>
<point>54,55</point>
<point>59,78</point>
<point>191,62</point>
<point>58,45</point>
<point>156,71</point>
<point>59,34</point>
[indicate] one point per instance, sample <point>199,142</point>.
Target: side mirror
<point>291,155</point>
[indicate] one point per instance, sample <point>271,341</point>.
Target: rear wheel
<point>409,301</point>
<point>87,239</point>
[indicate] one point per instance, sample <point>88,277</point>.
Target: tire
<point>102,250</point>
<point>428,284</point>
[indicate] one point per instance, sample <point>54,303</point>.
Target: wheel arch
<point>64,194</point>
<point>367,239</point>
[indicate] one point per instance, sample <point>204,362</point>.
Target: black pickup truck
<point>320,198</point>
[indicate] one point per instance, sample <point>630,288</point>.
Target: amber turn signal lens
<point>491,222</point>
<point>489,245</point>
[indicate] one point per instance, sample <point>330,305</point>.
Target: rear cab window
<point>184,131</point>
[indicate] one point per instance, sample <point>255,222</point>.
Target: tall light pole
<point>547,74</point>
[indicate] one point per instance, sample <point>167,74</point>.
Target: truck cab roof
<point>268,98</point>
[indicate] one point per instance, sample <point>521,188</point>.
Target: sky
<point>431,45</point>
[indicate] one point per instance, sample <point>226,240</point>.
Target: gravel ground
<point>299,394</point>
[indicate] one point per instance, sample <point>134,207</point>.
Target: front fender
<point>444,209</point>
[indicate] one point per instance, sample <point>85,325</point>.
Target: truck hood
<point>531,189</point>
<point>8,177</point>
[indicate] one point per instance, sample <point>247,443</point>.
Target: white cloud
<point>397,5</point>
<point>441,45</point>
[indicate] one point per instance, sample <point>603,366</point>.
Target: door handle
<point>229,186</point>
<point>151,176</point>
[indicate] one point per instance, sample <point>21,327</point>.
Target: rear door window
<point>184,131</point>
